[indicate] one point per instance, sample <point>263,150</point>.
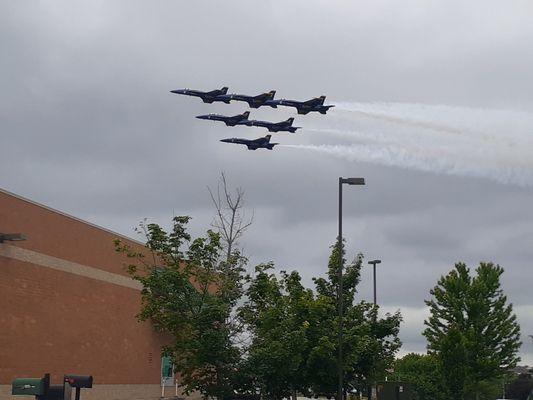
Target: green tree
<point>472,330</point>
<point>422,372</point>
<point>369,341</point>
<point>189,294</point>
<point>276,314</point>
<point>294,333</point>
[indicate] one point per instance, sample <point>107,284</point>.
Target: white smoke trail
<point>494,144</point>
<point>476,123</point>
<point>424,161</point>
<point>365,137</point>
<point>403,120</point>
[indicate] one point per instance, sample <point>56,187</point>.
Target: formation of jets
<point>264,99</point>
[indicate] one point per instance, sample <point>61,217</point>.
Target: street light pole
<point>340,297</point>
<point>374,262</point>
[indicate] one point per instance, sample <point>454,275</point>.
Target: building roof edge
<point>35,203</point>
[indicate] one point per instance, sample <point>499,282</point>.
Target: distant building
<point>68,306</point>
<point>522,369</point>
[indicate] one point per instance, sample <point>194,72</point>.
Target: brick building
<point>67,306</point>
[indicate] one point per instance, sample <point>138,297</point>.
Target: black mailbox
<point>55,392</point>
<point>79,381</point>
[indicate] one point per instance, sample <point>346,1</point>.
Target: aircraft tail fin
<point>322,99</point>
<point>325,109</point>
<point>290,121</point>
<point>271,94</point>
<point>246,114</point>
<point>224,90</point>
<point>267,137</point>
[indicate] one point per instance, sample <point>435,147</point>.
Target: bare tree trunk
<point>230,219</point>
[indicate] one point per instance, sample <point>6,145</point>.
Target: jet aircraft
<point>260,143</point>
<point>275,126</point>
<point>207,97</point>
<point>303,107</point>
<point>241,119</point>
<point>253,101</point>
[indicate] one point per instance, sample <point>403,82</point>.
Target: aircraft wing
<point>216,92</point>
<point>261,140</point>
<point>317,101</point>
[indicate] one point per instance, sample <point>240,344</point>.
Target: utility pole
<point>340,297</point>
<point>373,263</point>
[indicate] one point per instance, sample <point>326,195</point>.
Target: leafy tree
<point>276,313</point>
<point>295,333</point>
<point>472,330</point>
<point>422,372</point>
<point>369,342</point>
<point>453,360</point>
<point>189,294</point>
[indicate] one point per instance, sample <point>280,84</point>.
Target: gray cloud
<point>89,126</point>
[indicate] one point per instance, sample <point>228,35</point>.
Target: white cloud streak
<point>483,143</point>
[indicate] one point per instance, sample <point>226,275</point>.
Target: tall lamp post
<point>373,263</point>
<point>347,181</point>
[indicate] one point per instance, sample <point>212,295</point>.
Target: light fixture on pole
<point>347,181</point>
<point>373,263</point>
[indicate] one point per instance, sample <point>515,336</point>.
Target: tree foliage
<point>472,330</point>
<point>423,373</point>
<point>276,313</point>
<point>265,333</point>
<point>369,341</point>
<point>189,291</point>
<point>295,332</point>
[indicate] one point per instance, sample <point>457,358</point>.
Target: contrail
<point>493,144</point>
<point>366,137</point>
<point>405,121</point>
<point>465,121</point>
<point>425,161</point>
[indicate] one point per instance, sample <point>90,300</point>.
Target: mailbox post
<point>42,390</point>
<point>78,382</point>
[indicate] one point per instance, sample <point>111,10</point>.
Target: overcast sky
<point>434,108</point>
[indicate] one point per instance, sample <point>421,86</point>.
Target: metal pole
<point>374,262</point>
<point>375,299</point>
<point>340,296</point>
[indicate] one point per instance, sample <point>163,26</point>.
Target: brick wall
<point>67,305</point>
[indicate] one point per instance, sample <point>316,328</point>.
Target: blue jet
<point>241,119</point>
<point>253,101</point>
<point>260,143</point>
<point>303,107</point>
<point>207,97</point>
<point>275,126</point>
